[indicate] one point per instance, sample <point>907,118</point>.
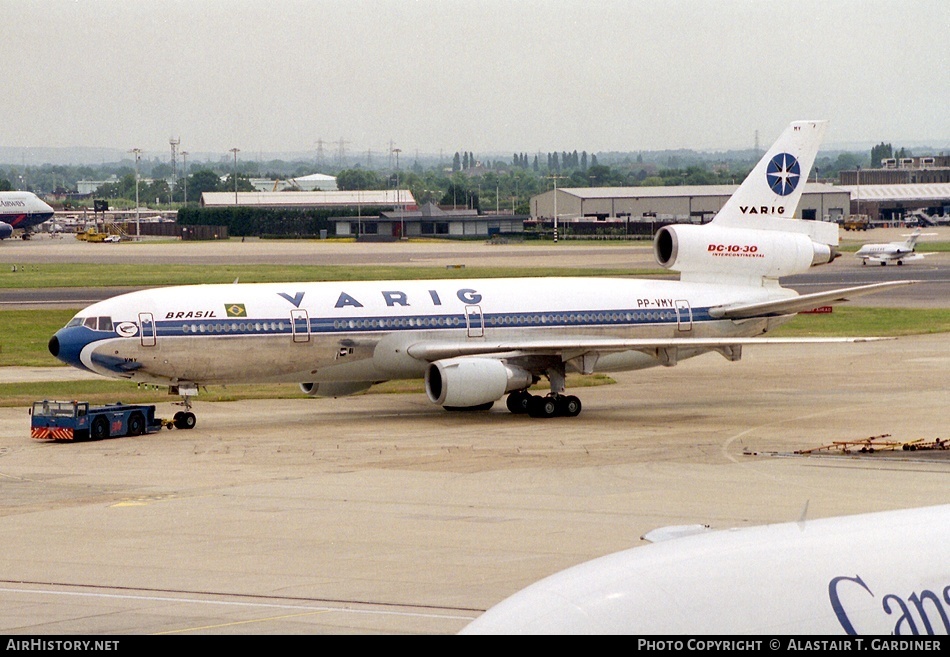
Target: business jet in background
<point>899,252</point>
<point>21,211</point>
<point>475,341</point>
<point>879,574</point>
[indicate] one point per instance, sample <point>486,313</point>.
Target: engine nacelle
<point>466,382</point>
<point>715,250</point>
<point>335,388</point>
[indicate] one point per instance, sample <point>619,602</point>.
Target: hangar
<point>302,200</point>
<point>686,203</point>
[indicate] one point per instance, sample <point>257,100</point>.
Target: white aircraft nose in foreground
<point>872,574</point>
<point>899,252</point>
<point>474,341</point>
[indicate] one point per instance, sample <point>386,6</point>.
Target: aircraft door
<point>147,329</point>
<point>474,322</point>
<point>300,325</point>
<point>684,316</point>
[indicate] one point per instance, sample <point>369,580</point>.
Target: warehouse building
<point>681,204</point>
<point>389,198</point>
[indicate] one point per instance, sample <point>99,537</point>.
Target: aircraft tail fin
<point>911,243</point>
<point>755,238</point>
<point>770,194</point>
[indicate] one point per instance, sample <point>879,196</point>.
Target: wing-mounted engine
<point>720,254</point>
<point>469,382</point>
<point>335,388</point>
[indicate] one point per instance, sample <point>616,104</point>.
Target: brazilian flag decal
<point>236,310</point>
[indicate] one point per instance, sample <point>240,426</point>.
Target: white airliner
<point>899,252</point>
<point>871,574</point>
<point>474,341</point>
<point>21,211</point>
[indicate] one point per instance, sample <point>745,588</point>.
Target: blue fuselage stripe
<point>389,323</point>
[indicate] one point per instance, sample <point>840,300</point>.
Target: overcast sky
<point>476,75</point>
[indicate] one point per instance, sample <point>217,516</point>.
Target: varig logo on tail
<point>783,174</point>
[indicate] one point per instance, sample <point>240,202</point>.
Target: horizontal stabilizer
<point>798,304</point>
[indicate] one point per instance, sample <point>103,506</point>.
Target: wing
<point>582,350</point>
<point>799,303</point>
<point>571,348</point>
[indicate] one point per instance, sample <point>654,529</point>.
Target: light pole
<point>184,167</point>
<point>235,151</point>
<point>858,179</point>
<point>402,218</point>
<point>138,155</point>
<point>555,177</point>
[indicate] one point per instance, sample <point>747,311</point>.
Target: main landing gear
<point>552,405</point>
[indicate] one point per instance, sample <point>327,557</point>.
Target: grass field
<point>106,391</point>
<point>87,275</point>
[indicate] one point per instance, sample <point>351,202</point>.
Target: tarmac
<point>382,513</point>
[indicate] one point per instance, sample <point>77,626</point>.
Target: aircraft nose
<point>67,344</point>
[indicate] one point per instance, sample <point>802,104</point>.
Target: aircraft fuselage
<point>362,331</point>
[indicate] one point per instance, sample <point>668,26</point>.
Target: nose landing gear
<point>184,419</point>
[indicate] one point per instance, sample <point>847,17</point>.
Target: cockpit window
<point>94,323</point>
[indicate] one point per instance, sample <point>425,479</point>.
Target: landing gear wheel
<point>518,401</point>
<point>100,429</point>
<point>185,420</point>
<point>136,425</point>
<point>569,406</point>
<point>542,406</point>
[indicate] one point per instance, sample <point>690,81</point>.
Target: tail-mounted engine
<point>720,252</point>
<point>467,382</point>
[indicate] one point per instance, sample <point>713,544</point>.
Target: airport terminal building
<point>900,187</point>
<point>429,220</point>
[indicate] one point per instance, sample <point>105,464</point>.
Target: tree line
<point>465,183</point>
